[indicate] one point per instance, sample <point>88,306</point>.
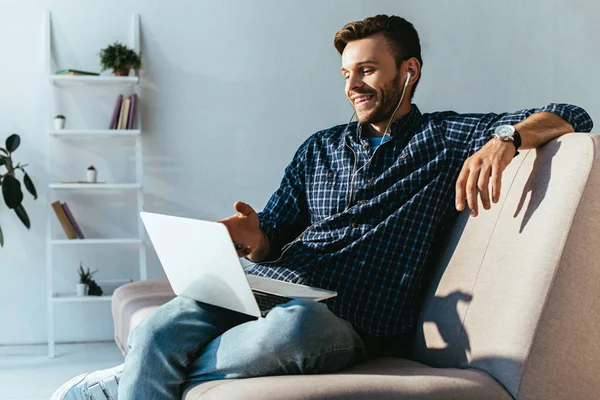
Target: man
<point>357,211</point>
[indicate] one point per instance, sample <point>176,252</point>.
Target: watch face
<point>505,131</point>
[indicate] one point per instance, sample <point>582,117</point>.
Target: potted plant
<point>10,185</point>
<point>59,122</point>
<point>86,285</point>
<point>84,278</point>
<point>120,59</point>
<point>92,174</point>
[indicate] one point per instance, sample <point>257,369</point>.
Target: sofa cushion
<point>382,378</point>
<point>133,302</point>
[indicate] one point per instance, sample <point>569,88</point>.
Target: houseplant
<point>86,285</point>
<point>92,174</point>
<point>120,59</point>
<point>59,122</point>
<point>10,185</point>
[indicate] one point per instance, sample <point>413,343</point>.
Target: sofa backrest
<point>516,291</point>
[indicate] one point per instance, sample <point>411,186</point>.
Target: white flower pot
<point>59,123</point>
<point>82,289</point>
<point>92,175</point>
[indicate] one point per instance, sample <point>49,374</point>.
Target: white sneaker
<point>99,385</point>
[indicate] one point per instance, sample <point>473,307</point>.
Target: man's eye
<point>346,76</point>
<point>368,71</point>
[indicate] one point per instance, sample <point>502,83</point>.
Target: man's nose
<point>355,82</point>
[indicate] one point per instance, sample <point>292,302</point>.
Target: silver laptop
<point>201,263</point>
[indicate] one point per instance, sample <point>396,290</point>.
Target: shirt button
<point>366,146</point>
<point>370,180</point>
<point>362,201</point>
<point>330,175</point>
<point>354,225</point>
<point>403,155</point>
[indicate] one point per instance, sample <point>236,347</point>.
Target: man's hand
<point>249,240</point>
<point>475,175</point>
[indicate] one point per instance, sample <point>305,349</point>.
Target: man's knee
<point>156,329</point>
<point>307,322</point>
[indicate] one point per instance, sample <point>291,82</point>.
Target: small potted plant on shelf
<point>92,174</point>
<point>84,279</point>
<point>87,286</point>
<point>120,59</point>
<point>59,122</point>
<point>10,185</point>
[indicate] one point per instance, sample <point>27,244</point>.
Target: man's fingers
<point>243,208</point>
<point>460,188</point>
<point>472,191</point>
<point>496,183</point>
<point>483,185</point>
<point>244,252</point>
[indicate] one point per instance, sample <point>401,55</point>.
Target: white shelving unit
<point>61,81</point>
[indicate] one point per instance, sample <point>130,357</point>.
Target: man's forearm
<point>540,128</point>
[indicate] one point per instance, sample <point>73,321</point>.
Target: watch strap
<point>517,141</point>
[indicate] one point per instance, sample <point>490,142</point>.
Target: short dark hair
<point>400,34</point>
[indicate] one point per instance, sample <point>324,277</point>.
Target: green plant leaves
<point>13,142</point>
<point>22,214</point>
<point>11,190</point>
<point>1,238</point>
<point>29,185</point>
<point>2,160</point>
<point>118,55</point>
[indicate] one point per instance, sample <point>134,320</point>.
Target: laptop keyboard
<point>267,301</point>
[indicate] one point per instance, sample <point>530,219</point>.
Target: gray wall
<point>231,89</point>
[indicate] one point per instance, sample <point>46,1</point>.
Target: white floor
<point>26,372</point>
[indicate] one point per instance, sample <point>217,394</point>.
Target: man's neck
<point>378,129</point>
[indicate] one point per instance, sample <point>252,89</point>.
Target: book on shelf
<point>64,220</point>
<point>116,112</point>
<point>70,71</point>
<point>131,123</point>
<point>123,116</point>
<point>126,105</point>
<point>73,221</point>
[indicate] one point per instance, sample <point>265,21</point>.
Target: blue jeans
<point>186,342</point>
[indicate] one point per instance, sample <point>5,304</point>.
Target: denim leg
<point>163,346</point>
<point>299,337</point>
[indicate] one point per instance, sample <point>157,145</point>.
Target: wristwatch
<point>508,133</point>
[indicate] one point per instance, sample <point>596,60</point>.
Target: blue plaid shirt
<point>374,252</point>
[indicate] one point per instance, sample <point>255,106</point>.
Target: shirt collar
<point>402,125</point>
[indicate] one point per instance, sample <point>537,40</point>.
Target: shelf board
<point>95,186</point>
<point>96,242</point>
<point>94,133</point>
<point>73,298</point>
<point>79,80</point>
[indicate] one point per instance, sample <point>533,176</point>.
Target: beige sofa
<point>513,309</point>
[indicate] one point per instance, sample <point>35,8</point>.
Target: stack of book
<point>67,221</point>
<point>75,72</point>
<point>123,116</point>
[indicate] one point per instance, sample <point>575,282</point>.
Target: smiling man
<point>357,212</point>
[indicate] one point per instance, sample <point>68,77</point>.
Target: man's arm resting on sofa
<point>489,162</point>
<point>540,128</point>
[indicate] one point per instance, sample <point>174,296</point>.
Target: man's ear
<point>413,66</point>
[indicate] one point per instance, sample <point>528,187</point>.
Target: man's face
<point>373,83</point>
